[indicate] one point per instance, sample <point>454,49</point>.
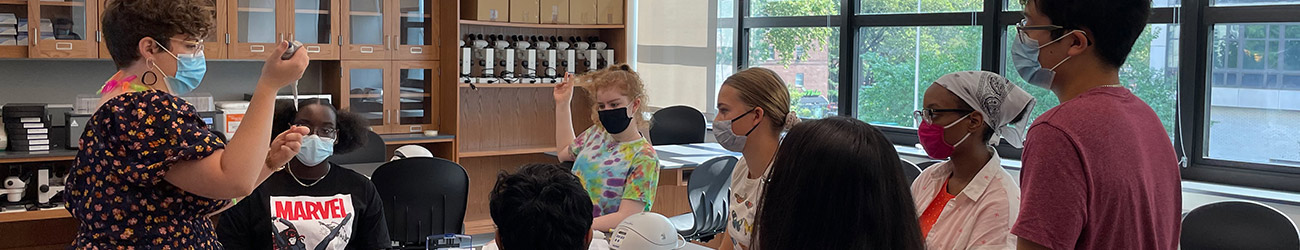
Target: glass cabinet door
<point>416,96</point>
<point>255,29</point>
<point>313,25</point>
<point>63,30</point>
<point>364,35</point>
<point>415,28</point>
<point>366,95</point>
<point>14,40</point>
<point>215,42</point>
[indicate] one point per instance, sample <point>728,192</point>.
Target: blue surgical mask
<point>190,69</point>
<point>315,149</point>
<point>1024,54</point>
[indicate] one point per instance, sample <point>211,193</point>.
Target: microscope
<point>505,64</point>
<point>47,188</point>
<point>606,54</point>
<point>547,61</point>
<point>14,187</point>
<point>482,56</point>
<point>527,67</point>
<point>466,60</point>
<point>585,57</point>
<point>568,56</point>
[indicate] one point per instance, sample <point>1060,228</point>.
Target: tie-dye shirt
<point>612,171</point>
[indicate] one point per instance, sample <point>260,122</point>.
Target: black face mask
<point>615,120</point>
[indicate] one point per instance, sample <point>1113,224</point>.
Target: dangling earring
<point>146,78</point>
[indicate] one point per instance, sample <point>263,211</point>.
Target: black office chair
<point>910,170</point>
<point>708,189</point>
<point>373,151</point>
<point>422,197</point>
<point>677,125</point>
<point>1238,225</point>
<point>925,165</point>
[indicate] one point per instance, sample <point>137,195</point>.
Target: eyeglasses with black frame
<point>928,115</point>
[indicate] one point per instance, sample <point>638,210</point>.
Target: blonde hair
<point>619,76</point>
<point>763,88</point>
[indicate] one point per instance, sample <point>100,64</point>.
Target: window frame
<point>1195,20</point>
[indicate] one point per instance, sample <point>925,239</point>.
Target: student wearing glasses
<point>1099,170</point>
<point>313,203</point>
<point>969,201</point>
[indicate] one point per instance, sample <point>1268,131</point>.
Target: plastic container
<point>202,101</point>
<point>85,104</point>
<point>232,114</point>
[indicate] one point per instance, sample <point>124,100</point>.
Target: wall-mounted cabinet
<point>214,44</point>
<point>47,29</point>
<point>394,97</point>
<point>390,29</point>
<point>315,24</point>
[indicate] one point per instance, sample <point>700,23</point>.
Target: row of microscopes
<point>529,59</point>
<point>42,184</point>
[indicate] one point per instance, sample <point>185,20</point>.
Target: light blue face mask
<point>315,149</point>
<point>1024,54</point>
<point>190,69</point>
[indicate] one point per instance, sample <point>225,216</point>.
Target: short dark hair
<point>541,206</point>
<point>125,22</point>
<point>352,133</point>
<point>845,175</point>
<point>1114,25</point>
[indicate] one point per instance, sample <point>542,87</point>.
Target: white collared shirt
<point>980,217</point>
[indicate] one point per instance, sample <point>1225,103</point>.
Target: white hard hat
<point>646,231</point>
<point>411,151</point>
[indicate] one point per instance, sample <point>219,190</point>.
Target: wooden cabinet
<point>214,44</point>
<point>314,23</point>
<point>62,29</point>
<point>390,29</point>
<point>393,97</point>
<point>255,28</point>
<point>19,9</point>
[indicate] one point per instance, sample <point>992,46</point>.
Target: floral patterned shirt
<point>116,188</point>
<point>612,171</point>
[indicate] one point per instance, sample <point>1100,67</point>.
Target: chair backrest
<point>925,165</point>
<point>708,190</point>
<point>910,170</point>
<point>422,196</point>
<point>373,151</point>
<point>677,125</point>
<point>1238,225</point>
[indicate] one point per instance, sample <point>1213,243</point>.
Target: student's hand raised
<point>564,90</point>
<point>277,73</point>
<point>286,146</point>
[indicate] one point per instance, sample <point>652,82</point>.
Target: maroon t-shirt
<point>1100,173</point>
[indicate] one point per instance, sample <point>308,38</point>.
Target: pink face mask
<point>931,136</point>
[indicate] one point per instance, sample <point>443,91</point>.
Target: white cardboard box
<point>8,40</point>
<point>8,18</point>
<point>8,30</point>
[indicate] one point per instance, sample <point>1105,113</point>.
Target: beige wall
<point>674,51</point>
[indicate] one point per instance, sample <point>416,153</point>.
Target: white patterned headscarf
<point>997,98</point>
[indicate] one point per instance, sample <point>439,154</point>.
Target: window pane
<point>1151,72</point>
<point>726,8</point>
<point>1255,107</point>
<point>898,63</point>
<point>1252,2</point>
<point>724,63</point>
<point>771,8</point>
<point>1014,5</point>
<point>920,6</point>
<point>774,48</point>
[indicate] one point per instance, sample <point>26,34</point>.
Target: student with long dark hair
<point>836,184</point>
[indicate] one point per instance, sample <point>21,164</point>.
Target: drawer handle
<point>257,48</point>
<point>63,46</point>
<point>313,49</point>
<point>367,50</point>
<point>417,50</point>
<point>417,128</point>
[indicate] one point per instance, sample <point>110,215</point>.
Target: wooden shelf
<point>417,15</point>
<point>18,2</point>
<point>43,214</point>
<point>364,96</point>
<point>365,13</point>
<point>70,4</point>
<point>13,51</point>
<point>257,10</point>
<point>7,157</point>
<point>508,151</point>
<point>318,12</point>
<point>510,85</point>
<point>542,26</point>
<point>414,95</point>
<point>405,139</point>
